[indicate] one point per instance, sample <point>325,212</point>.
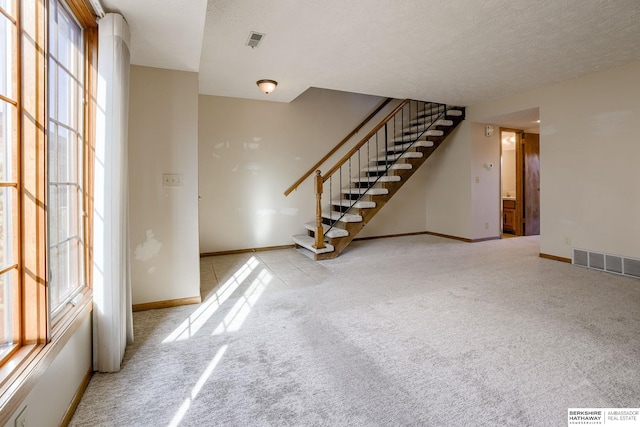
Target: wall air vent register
<point>607,262</point>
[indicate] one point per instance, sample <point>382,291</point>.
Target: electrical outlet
<point>477,180</point>
<point>171,180</point>
<point>486,225</point>
<point>21,420</point>
<point>567,240</point>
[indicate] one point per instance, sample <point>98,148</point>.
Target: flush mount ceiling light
<point>267,86</point>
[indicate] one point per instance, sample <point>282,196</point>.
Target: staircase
<point>373,171</point>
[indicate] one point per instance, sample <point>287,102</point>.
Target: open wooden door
<point>531,183</point>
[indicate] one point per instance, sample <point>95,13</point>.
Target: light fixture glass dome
<point>267,86</point>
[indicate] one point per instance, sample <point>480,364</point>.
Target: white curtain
<point>112,318</point>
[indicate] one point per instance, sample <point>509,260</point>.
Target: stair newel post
<point>319,233</point>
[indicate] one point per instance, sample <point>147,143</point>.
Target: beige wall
<point>485,184</point>
<point>251,151</point>
<point>163,126</point>
<point>589,151</point>
<point>49,399</point>
<point>447,184</point>
<point>405,213</point>
<point>589,147</point>
<point>462,195</point>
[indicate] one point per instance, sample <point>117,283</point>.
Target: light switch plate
<point>488,130</point>
<point>171,180</point>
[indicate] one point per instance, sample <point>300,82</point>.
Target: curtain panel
<point>113,324</point>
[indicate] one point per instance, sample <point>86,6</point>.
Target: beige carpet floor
<point>408,331</point>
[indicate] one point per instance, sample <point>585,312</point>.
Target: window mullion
<point>32,108</point>
<point>17,88</point>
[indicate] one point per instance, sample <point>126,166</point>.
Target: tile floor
<point>277,270</point>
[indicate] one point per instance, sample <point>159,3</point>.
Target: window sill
<point>25,368</point>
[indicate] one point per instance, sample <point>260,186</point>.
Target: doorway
<point>520,182</point>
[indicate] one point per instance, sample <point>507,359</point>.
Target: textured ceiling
<point>164,33</point>
<point>454,51</point>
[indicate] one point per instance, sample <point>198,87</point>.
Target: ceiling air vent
<point>254,39</point>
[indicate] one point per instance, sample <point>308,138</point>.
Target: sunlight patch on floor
<point>195,321</point>
<point>233,321</point>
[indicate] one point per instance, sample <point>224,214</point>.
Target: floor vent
<point>596,260</point>
<point>581,257</point>
<point>614,263</point>
<point>607,262</point>
<point>632,267</point>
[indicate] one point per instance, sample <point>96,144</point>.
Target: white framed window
<point>48,75</point>
<point>65,169</point>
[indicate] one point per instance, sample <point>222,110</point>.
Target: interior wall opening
<point>520,182</point>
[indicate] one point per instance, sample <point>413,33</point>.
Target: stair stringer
<point>340,243</point>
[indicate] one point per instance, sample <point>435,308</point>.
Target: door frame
<point>519,228</point>
<point>531,220</point>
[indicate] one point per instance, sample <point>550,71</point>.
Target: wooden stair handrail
<point>337,147</point>
<point>364,141</point>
